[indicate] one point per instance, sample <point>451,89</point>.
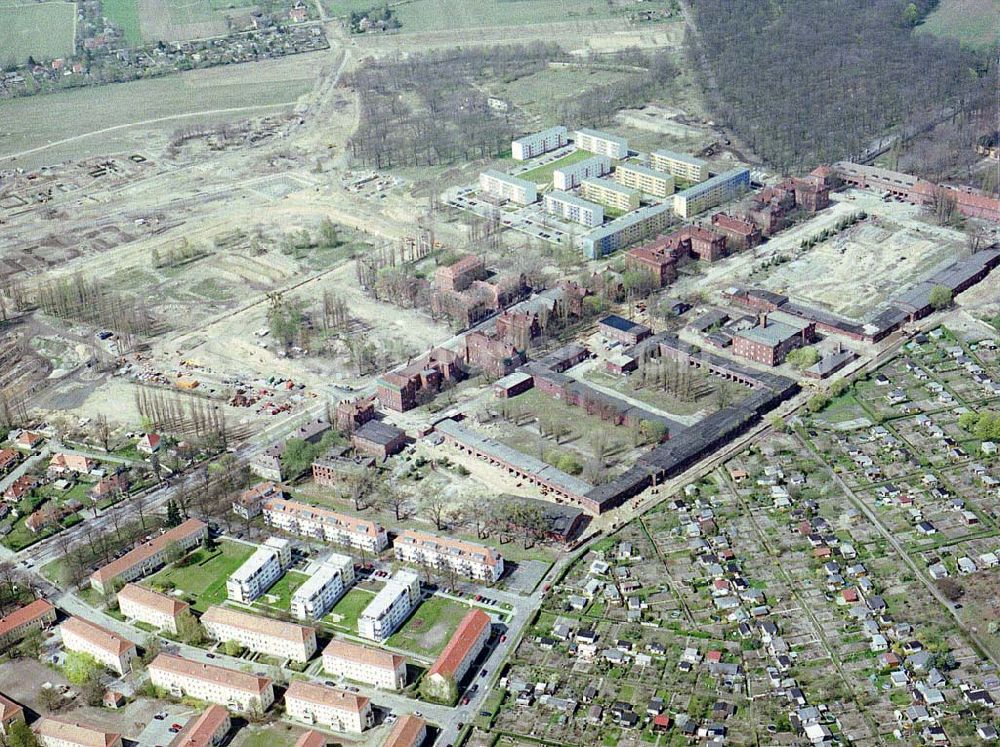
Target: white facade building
<point>145,605</point>
<point>464,558</point>
<point>602,143</point>
<point>573,208</point>
<point>110,649</point>
<point>260,571</point>
<point>237,691</point>
<point>537,143</point>
<point>390,606</point>
<point>324,587</point>
<point>508,187</point>
<point>362,664</point>
<point>337,709</point>
<point>299,518</point>
<point>570,176</point>
<point>262,634</point>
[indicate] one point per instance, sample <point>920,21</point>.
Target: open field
<point>542,93</point>
<point>430,627</point>
<point>972,22</point>
<point>203,580</point>
<point>43,121</point>
<point>177,20</point>
<point>125,15</point>
<point>40,30</point>
<point>437,15</point>
<point>853,271</point>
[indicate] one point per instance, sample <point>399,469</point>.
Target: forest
<point>804,82</point>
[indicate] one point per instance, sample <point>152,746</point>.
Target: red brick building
<point>656,258</point>
<point>353,413</point>
<point>378,439</point>
<point>493,355</point>
<point>774,336</point>
<point>740,234</point>
<point>459,275</point>
<point>518,327</point>
<point>404,389</point>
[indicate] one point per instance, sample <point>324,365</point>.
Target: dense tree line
<point>807,82</point>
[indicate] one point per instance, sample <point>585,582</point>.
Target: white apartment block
<point>646,180</point>
<point>237,691</point>
<point>55,732</point>
<point>322,524</point>
<point>569,177</point>
<point>602,143</point>
<point>362,664</point>
<point>573,208</point>
<point>145,605</point>
<point>262,634</point>
<point>109,649</point>
<point>336,709</point>
<point>324,587</point>
<point>260,571</point>
<point>390,606</point>
<point>148,556</point>
<point>719,189</point>
<point>538,143</point>
<point>508,187</point>
<point>610,194</point>
<point>681,165</point>
<point>464,558</point>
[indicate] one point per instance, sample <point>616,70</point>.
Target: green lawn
<point>543,174</point>
<point>41,30</point>
<point>972,22</point>
<point>430,627</point>
<point>279,596</point>
<point>203,581</point>
<point>125,15</point>
<point>345,613</point>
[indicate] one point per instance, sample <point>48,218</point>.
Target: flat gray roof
<point>559,196</point>
<point>682,157</point>
<point>627,220</point>
<point>613,186</point>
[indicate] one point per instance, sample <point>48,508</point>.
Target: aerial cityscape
<point>499,373</point>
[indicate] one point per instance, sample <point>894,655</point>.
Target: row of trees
<point>191,415</point>
<point>79,298</point>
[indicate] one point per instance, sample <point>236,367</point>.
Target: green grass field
<point>125,15</point>
<point>337,8</point>
<point>40,30</point>
<point>543,174</point>
<point>430,628</point>
<point>279,596</point>
<point>204,580</point>
<point>345,613</point>
<point>444,15</point>
<point>972,22</point>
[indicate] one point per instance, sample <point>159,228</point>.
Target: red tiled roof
<point>98,636</point>
<point>25,614</point>
<point>460,645</point>
<point>132,558</point>
<point>8,709</point>
<point>326,696</point>
<point>363,655</point>
<point>210,673</point>
<point>201,732</point>
<point>311,739</point>
<point>406,732</point>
